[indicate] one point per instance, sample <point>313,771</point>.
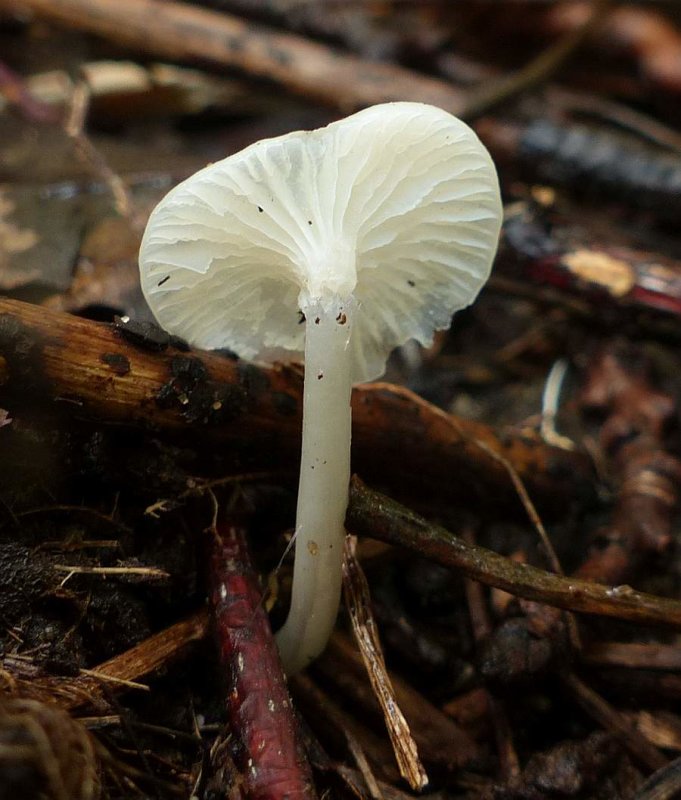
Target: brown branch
<point>156,651</point>
<point>539,69</point>
<point>373,514</point>
<point>186,33</point>
<point>51,360</point>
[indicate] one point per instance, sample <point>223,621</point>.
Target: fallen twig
<point>591,161</point>
<point>373,514</point>
<point>358,602</point>
<point>644,35</point>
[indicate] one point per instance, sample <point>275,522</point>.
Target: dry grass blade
<point>147,572</point>
<point>356,591</point>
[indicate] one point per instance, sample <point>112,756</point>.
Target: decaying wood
<point>55,361</point>
<point>373,514</point>
<point>619,385</point>
<point>183,32</point>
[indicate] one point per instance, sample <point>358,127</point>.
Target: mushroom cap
<point>397,205</point>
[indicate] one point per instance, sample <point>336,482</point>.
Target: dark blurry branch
<point>623,117</point>
<point>537,71</point>
<point>373,514</point>
<point>644,35</point>
<point>634,655</point>
<point>181,32</point>
<point>53,361</point>
<point>589,161</point>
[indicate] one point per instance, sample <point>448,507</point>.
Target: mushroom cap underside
<point>397,206</point>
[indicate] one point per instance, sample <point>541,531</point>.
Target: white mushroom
<point>373,231</point>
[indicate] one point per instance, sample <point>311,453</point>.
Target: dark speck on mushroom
<point>309,222</point>
<point>260,209</point>
<point>320,376</point>
<point>411,283</point>
<point>161,282</point>
<point>342,318</point>
<point>316,320</point>
<point>301,317</point>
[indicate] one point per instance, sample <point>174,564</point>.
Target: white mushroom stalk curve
<point>371,231</point>
<point>323,485</point>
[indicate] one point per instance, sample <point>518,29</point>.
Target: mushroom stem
<point>323,487</point>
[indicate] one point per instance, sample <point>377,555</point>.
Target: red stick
<point>269,757</point>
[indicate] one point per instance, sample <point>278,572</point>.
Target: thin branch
<point>373,514</point>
